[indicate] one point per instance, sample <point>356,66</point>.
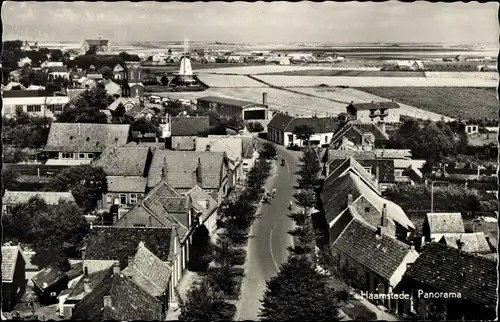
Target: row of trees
<point>209,299</point>
<point>299,292</point>
<point>55,231</point>
<point>25,131</point>
<point>437,141</point>
<point>453,198</point>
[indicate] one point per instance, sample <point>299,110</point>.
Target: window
<point>67,156</point>
<point>108,199</point>
<point>9,209</point>
<point>55,108</point>
<point>34,108</point>
<point>326,139</point>
<point>123,199</point>
<point>398,173</point>
<point>87,138</point>
<point>367,209</point>
<point>90,155</point>
<point>369,170</point>
<point>139,225</point>
<point>81,156</point>
<point>133,198</point>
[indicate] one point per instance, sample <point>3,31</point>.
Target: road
<point>269,237</point>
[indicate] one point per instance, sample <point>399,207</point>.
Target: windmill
<point>185,74</point>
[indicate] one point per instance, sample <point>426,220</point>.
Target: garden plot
<point>348,95</point>
<point>311,81</point>
<point>214,80</point>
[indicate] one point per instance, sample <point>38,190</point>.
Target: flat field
<point>482,139</point>
<point>277,99</point>
<point>214,80</point>
<point>311,81</point>
<point>350,73</point>
<point>266,69</point>
<point>449,101</point>
<point>348,95</point>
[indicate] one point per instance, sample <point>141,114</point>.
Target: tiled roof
<point>375,105</point>
<point>86,137</point>
<point>189,125</point>
<point>95,278</point>
<point>471,242</point>
<point>10,254</point>
<point>360,128</point>
<point>202,202</point>
<point>149,272</point>
<point>356,154</point>
<point>447,269</point>
<point>181,169</point>
<point>75,270</point>
<point>392,153</point>
<point>124,161</point>
<point>183,143</point>
<point>128,302</point>
<point>48,276</point>
<point>225,100</point>
<point>51,198</point>
<point>440,223</point>
<point>138,109</point>
<point>124,101</point>
<point>127,184</point>
<point>380,255</point>
<point>232,146</point>
<point>336,190</point>
<point>280,122</point>
<point>117,243</point>
<point>350,164</point>
<point>319,124</point>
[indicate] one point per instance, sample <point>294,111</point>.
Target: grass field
<point>214,80</point>
<point>449,101</point>
<point>266,69</point>
<point>311,81</point>
<point>350,73</point>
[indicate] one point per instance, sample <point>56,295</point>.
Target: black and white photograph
<point>250,161</point>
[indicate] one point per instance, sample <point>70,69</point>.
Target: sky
<point>391,21</point>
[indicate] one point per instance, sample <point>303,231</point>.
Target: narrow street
<point>269,236</point>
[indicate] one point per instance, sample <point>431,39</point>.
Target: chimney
<point>352,102</point>
<point>164,170</point>
<point>384,216</point>
<point>86,285</point>
<point>412,247</point>
<point>373,102</point>
<point>107,301</point>
<point>207,148</point>
<point>460,244</point>
<point>78,129</point>
<point>264,98</point>
<point>130,260</point>
<point>382,127</point>
<point>349,199</point>
<point>116,268</point>
<point>198,173</point>
<point>379,231</point>
<point>377,173</point>
<point>393,100</point>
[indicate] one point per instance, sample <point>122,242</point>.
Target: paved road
<point>270,238</point>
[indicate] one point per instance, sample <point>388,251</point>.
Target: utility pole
<point>432,197</point>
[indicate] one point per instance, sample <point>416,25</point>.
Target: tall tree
<point>298,293</point>
<point>303,132</point>
<point>85,182</point>
<point>203,303</point>
<point>268,151</point>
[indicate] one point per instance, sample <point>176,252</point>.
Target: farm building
<point>36,103</point>
<point>235,108</point>
<point>374,112</point>
<point>471,129</point>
